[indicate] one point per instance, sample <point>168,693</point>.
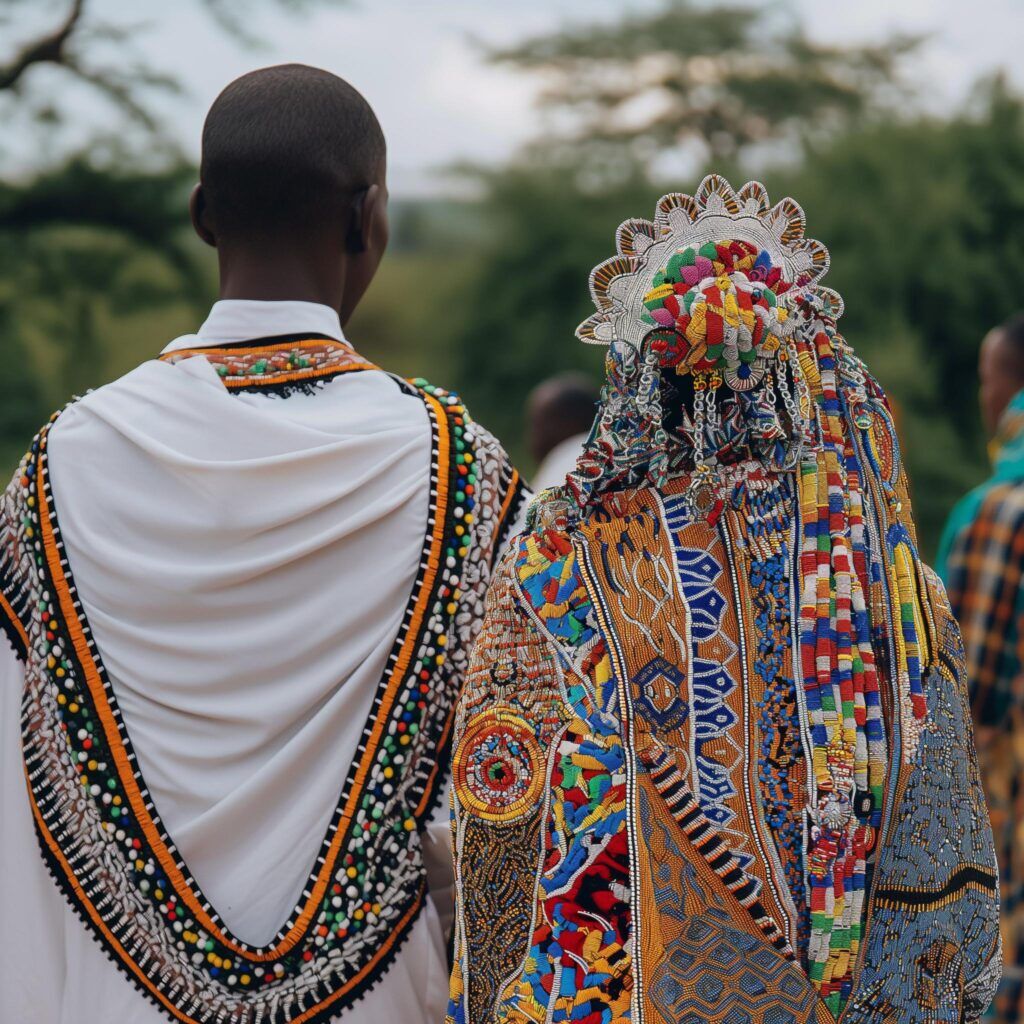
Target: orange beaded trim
<point>283,362</point>
<point>11,624</point>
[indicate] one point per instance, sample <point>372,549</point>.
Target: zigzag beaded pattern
<point>682,804</point>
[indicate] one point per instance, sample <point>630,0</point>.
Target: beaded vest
<point>99,831</point>
<point>713,756</point>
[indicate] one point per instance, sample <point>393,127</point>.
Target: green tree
<point>698,79</point>
<point>89,239</point>
<point>925,224</point>
<point>78,246</point>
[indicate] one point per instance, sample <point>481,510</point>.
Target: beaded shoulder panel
<point>102,837</point>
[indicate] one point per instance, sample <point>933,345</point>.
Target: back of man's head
<point>559,408</point>
<point>286,149</point>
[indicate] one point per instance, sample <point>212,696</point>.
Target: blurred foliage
<point>714,79</point>
<point>96,51</point>
<point>79,246</point>
<point>925,223</point>
<point>924,218</point>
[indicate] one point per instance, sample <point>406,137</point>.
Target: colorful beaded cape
<point>713,758</point>
<point>99,832</point>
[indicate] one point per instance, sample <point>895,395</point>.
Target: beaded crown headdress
<point>716,287</point>
<point>619,286</point>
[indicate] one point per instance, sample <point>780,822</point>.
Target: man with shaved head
<point>237,587</point>
<point>559,414</point>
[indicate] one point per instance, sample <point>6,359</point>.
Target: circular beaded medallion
<point>497,766</point>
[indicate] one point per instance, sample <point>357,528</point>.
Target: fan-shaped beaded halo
<point>716,212</point>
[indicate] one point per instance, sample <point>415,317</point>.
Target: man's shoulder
<point>1000,500</point>
<point>458,413</point>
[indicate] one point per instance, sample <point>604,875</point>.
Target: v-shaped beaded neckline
<point>177,873</point>
<point>101,836</point>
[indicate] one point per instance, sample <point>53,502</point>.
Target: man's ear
<point>200,217</point>
<point>362,215</point>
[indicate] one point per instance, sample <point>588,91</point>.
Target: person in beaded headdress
<point>713,760</point>
<point>237,592</point>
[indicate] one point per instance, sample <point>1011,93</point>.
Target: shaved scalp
<point>285,150</point>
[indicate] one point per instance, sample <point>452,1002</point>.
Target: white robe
<point>244,561</point>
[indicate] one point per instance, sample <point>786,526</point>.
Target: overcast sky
<point>421,67</point>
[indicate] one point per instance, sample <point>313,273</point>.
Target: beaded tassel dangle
<point>900,567</point>
<point>841,687</point>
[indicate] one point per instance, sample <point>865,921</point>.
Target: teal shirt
<point>1008,467</point>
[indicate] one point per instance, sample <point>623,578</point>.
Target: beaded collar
<point>277,362</point>
<point>98,828</point>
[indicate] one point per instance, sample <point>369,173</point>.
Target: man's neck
<point>288,275</point>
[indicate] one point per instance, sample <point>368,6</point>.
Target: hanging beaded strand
<point>765,508</point>
<point>840,679</point>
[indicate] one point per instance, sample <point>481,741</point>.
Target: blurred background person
<point>559,414</point>
<point>982,560</point>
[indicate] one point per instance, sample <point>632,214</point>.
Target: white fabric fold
<point>244,561</point>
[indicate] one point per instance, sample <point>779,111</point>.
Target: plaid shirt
<point>984,573</point>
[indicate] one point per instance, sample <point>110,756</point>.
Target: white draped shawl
<point>244,561</point>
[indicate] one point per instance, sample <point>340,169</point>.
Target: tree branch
<point>49,49</point>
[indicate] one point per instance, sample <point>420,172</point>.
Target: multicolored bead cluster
<point>715,310</point>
